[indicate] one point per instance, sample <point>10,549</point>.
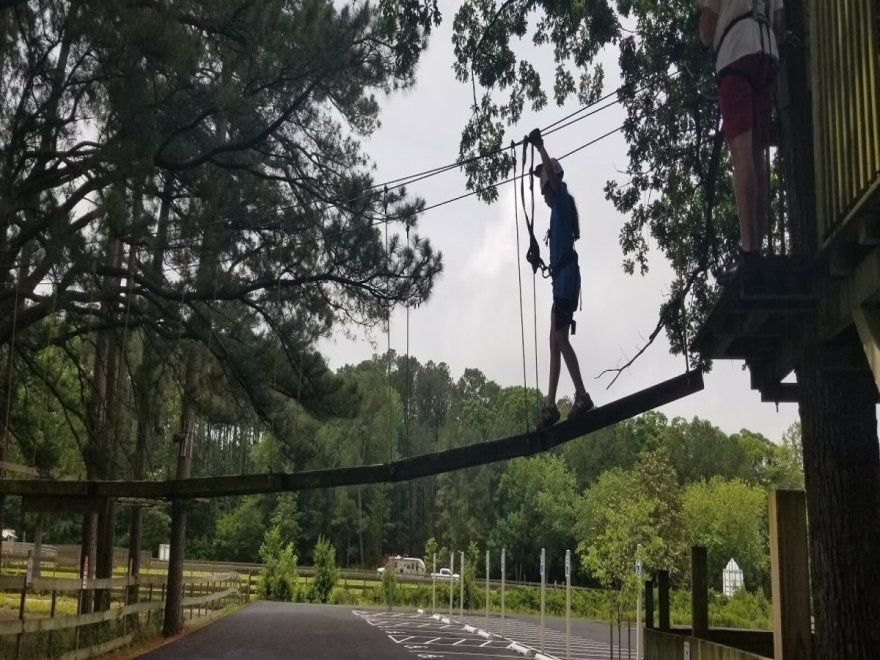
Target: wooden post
<point>20,636</point>
<point>649,603</point>
<point>51,616</point>
<point>789,576</point>
<point>700,592</point>
<point>663,599</point>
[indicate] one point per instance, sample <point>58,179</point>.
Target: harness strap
<point>760,17</point>
<point>533,254</point>
<point>569,258</point>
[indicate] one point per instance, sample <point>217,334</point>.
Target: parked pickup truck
<point>445,574</point>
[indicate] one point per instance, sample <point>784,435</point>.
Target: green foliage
<point>626,509</point>
<point>278,580</point>
<point>286,517</point>
<point>239,531</point>
<point>468,574</point>
<point>156,528</point>
<point>389,580</point>
<point>729,519</point>
<point>326,573</point>
<point>536,509</point>
<point>744,609</point>
<point>431,553</point>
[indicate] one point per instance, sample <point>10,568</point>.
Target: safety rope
<point>406,406</point>
<point>522,325</point>
<point>544,271</point>
<point>533,254</point>
<point>388,324</point>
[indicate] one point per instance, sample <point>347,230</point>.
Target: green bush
<point>326,573</point>
<point>742,610</point>
<point>278,579</point>
<point>389,581</point>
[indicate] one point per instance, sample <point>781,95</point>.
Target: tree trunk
<point>87,559</point>
<point>842,475</point>
<point>38,545</point>
<point>146,388</point>
<point>173,623</point>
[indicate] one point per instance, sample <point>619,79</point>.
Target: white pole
<point>503,552</point>
<point>487,590</point>
<point>543,585</point>
<point>639,602</point>
<point>434,586</point>
<point>451,580</point>
<point>461,588</point>
<point>568,605</point>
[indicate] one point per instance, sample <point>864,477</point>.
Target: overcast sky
<point>473,317</point>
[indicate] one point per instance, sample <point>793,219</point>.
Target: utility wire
<point>182,269</point>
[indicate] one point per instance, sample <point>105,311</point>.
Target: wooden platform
<point>762,315</point>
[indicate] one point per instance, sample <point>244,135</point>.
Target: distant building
<point>9,535</point>
<point>731,578</point>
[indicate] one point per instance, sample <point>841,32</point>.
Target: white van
<point>405,566</point>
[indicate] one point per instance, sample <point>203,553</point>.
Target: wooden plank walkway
<point>526,444</point>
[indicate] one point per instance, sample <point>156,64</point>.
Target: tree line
<point>664,484</point>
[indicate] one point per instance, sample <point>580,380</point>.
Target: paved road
<point>264,630</point>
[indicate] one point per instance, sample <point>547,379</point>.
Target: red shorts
<point>745,97</point>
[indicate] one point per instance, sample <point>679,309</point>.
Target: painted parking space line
<point>475,636</point>
<point>529,635</point>
<point>425,636</point>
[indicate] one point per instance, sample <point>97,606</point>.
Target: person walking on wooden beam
<point>746,53</point>
<point>564,269</point>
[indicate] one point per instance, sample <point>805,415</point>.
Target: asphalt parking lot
<point>267,630</point>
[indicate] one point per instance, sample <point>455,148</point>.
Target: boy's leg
<point>555,364</point>
<point>571,362</point>
<point>741,107</point>
<point>745,182</point>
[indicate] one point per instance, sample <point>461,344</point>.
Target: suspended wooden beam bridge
<point>41,494</point>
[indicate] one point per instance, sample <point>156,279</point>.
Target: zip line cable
<point>185,267</point>
<point>425,174</point>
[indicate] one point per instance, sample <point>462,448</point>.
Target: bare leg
<point>555,363</point>
<point>745,180</point>
<point>571,362</point>
<point>763,197</point>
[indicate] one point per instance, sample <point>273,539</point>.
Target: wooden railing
<point>844,59</point>
<point>87,635</point>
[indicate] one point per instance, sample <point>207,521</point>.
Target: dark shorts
<point>745,97</point>
<point>563,311</point>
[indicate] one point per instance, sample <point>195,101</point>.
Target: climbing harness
<point>759,13</point>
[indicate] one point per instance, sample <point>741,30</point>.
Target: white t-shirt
<point>745,37</point>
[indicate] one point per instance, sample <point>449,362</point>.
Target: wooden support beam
<point>780,393</point>
<point>700,592</point>
<point>649,603</point>
<point>663,599</point>
<point>790,576</point>
<point>869,233</point>
<point>867,322</point>
<point>845,296</point>
<point>525,444</point>
<point>62,504</point>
